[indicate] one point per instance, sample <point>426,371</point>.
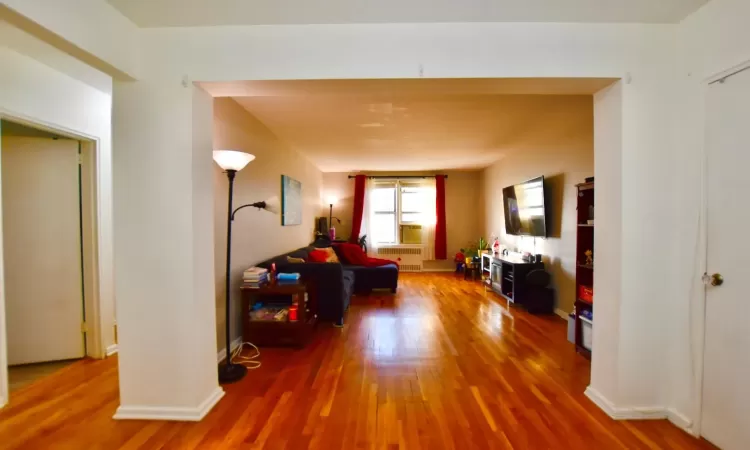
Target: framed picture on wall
<point>291,201</point>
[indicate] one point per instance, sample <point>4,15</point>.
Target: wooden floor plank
<point>444,364</point>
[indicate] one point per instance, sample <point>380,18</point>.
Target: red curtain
<point>441,240</point>
<point>359,207</point>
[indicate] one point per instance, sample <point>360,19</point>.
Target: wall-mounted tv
<point>524,209</point>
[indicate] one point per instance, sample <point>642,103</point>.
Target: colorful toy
<point>460,259</point>
<point>589,257</point>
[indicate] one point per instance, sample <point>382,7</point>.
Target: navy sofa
<point>335,283</point>
<point>368,278</point>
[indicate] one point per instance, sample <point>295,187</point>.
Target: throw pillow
<point>351,254</point>
<point>317,256</point>
<point>293,260</point>
<point>332,258</point>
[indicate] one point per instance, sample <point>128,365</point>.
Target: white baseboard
<point>562,313</point>
<point>184,414</point>
<point>222,354</point>
<point>628,413</point>
<point>112,349</point>
<point>682,421</point>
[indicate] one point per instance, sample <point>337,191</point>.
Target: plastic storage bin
<point>572,328</point>
<point>587,329</point>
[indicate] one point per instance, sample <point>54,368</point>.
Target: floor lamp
<point>331,229</point>
<point>232,162</point>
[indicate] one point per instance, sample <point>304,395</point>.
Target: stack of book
<point>255,277</point>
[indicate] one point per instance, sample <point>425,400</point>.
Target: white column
<point>633,247</point>
<point>164,250</point>
<point>604,387</point>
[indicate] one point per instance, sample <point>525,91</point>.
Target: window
<point>384,209</point>
<point>399,210</point>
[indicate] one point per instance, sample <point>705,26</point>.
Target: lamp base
<point>230,373</point>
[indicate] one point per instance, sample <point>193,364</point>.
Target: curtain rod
<point>398,177</point>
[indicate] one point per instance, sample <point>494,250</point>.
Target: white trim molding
<point>222,354</point>
<point>183,414</point>
<point>112,349</point>
<point>682,421</point>
<point>625,413</point>
<point>562,314</point>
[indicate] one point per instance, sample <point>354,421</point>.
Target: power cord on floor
<point>247,361</point>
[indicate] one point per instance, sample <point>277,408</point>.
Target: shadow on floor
<point>24,375</point>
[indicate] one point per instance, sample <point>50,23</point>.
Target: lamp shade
<point>332,199</point>
<point>273,205</point>
<point>232,159</point>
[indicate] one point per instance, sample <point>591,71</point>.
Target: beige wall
<point>463,191</point>
<point>256,235</point>
<point>563,163</point>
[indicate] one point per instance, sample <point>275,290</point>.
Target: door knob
<point>714,279</point>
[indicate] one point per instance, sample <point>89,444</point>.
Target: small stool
<point>472,271</point>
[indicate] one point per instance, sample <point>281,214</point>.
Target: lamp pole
<point>230,372</point>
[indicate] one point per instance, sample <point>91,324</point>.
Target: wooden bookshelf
<point>584,270</point>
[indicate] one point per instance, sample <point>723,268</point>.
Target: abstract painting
<point>291,201</point>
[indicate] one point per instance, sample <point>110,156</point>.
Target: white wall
<point>31,90</point>
<point>712,40</point>
<point>456,50</point>
<point>90,30</point>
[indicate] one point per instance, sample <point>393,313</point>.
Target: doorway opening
<point>48,251</point>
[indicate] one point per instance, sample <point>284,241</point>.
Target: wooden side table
<point>279,332</point>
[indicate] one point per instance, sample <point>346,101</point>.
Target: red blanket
<point>354,255</point>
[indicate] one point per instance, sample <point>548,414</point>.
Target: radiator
<point>408,258</point>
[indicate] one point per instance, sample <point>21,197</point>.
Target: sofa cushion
<point>348,283</point>
<point>281,260</point>
<point>332,257</point>
<point>318,256</point>
<point>369,278</point>
<point>351,254</point>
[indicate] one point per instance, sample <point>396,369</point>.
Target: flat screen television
<point>524,208</point>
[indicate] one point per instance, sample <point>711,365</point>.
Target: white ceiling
<point>376,125</point>
<point>176,13</point>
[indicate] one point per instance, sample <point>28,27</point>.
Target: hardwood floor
<point>20,376</point>
<point>440,365</point>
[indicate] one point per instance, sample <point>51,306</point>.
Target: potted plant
<point>483,246</point>
<point>471,250</point>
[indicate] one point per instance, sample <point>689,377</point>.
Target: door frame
<point>702,254</point>
<point>93,291</point>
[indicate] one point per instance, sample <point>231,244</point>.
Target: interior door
<point>42,249</point>
<point>726,378</point>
